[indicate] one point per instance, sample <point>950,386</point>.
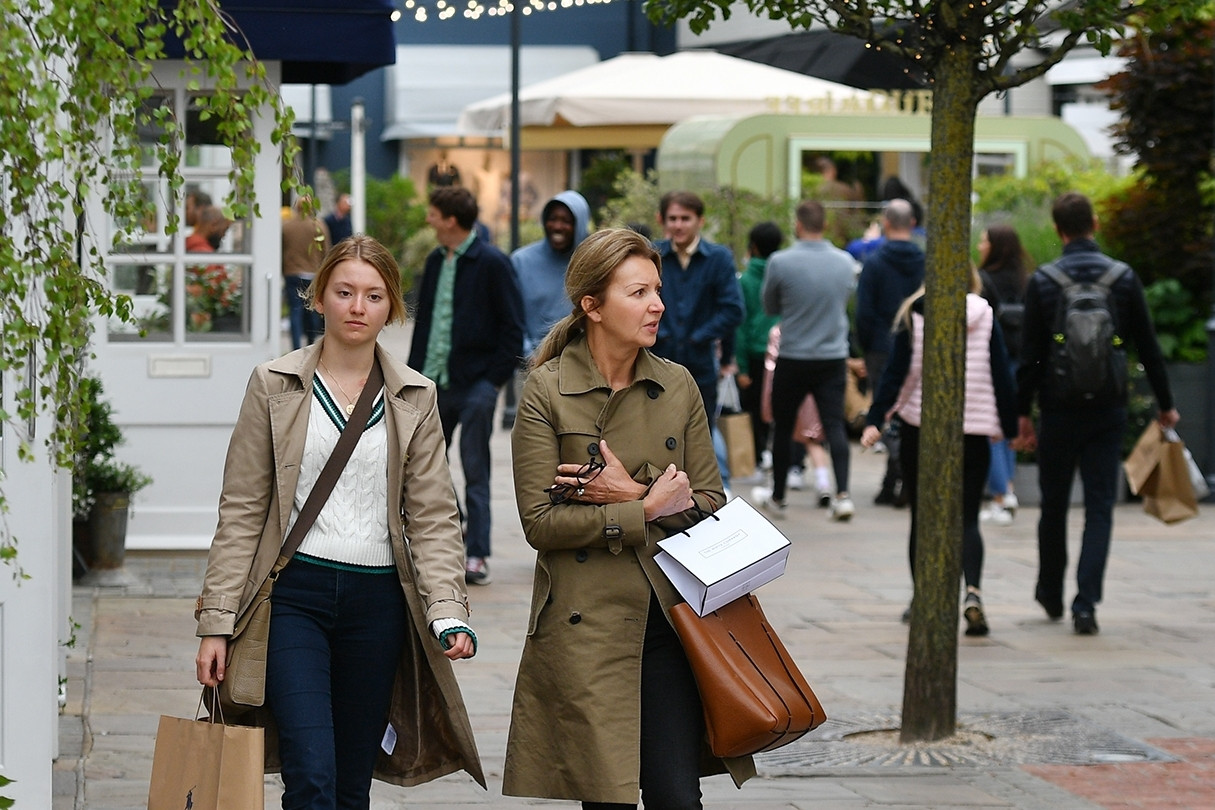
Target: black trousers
<point>751,399</point>
<point>672,723</point>
<point>791,381</point>
<point>976,455</point>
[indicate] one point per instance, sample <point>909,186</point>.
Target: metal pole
<point>1210,415</point>
<point>358,169</point>
<point>312,143</point>
<point>516,16</point>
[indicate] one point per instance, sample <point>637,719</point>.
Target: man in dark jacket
<point>700,290</point>
<point>1088,436</point>
<point>888,278</point>
<point>467,337</point>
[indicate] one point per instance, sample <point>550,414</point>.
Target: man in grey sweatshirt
<point>808,286</point>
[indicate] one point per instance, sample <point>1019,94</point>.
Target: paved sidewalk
<point>1048,720</point>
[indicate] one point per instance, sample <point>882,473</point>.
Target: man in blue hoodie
<point>540,274</point>
<point>888,278</point>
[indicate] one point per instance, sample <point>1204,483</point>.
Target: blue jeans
<point>335,640</point>
<point>1003,465</point>
<point>472,409</point>
<point>723,456</point>
<point>304,322</point>
<point>1092,441</point>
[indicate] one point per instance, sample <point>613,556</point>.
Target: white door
<point>206,301</point>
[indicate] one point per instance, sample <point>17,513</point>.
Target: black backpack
<point>1010,312</point>
<point>1087,355</point>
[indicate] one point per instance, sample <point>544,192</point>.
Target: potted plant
<point>101,486</point>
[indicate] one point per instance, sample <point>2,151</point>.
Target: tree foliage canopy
<point>992,31</point>
<point>75,79</point>
<point>1166,97</point>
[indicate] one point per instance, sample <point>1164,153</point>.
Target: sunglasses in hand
<point>587,473</point>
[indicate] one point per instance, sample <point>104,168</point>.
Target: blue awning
<point>317,41</point>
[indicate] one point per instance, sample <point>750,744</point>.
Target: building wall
<point>610,28</point>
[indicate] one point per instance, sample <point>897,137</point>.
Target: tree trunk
<point>930,681</point>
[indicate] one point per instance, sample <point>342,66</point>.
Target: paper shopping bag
<point>1141,464</point>
<point>1172,498</point>
<point>740,443</point>
<point>202,765</point>
<point>727,555</point>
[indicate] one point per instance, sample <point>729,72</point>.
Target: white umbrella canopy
<point>643,88</point>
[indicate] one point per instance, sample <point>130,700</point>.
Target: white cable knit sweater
<point>352,527</point>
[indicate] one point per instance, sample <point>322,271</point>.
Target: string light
<point>475,9</point>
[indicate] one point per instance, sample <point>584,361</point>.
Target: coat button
<point>671,443</point>
<point>593,448</point>
<point>652,392</point>
<point>581,554</point>
<point>575,617</point>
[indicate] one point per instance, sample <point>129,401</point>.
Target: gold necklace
<point>349,400</point>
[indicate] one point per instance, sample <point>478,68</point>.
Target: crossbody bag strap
<point>355,426</point>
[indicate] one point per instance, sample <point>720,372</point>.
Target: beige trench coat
<point>434,736</point>
<point>575,724</point>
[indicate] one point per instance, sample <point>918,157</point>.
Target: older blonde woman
<point>611,454</point>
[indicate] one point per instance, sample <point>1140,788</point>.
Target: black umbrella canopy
<point>831,56</point>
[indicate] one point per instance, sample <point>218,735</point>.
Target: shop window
<point>193,284</point>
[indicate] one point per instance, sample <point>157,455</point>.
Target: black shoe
<point>901,496</point>
<point>976,622</point>
<point>884,498</point>
<point>1053,607</point>
<point>1085,623</point>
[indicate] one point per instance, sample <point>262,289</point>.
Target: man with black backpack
<point>1080,311</point>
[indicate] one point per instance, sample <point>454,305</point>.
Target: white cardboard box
<point>727,555</point>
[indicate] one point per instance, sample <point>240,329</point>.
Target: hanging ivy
<point>75,76</point>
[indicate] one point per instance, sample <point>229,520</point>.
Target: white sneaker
<point>763,497</point>
<point>795,479</point>
<point>997,516</point>
<point>765,460</point>
<point>841,509</point>
<point>1011,503</point>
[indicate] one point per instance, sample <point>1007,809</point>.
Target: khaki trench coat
<point>434,736</point>
<point>576,719</point>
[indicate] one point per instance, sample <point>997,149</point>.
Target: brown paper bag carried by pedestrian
<point>1141,464</point>
<point>740,443</point>
<point>856,403</point>
<point>1172,498</point>
<point>205,765</point>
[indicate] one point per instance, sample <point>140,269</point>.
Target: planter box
<point>1189,384</point>
<point>1025,480</point>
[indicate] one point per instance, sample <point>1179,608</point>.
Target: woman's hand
<point>212,660</point>
<point>613,484</point>
<point>870,436</point>
<point>670,494</point>
<point>1027,437</point>
<point>460,646</point>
